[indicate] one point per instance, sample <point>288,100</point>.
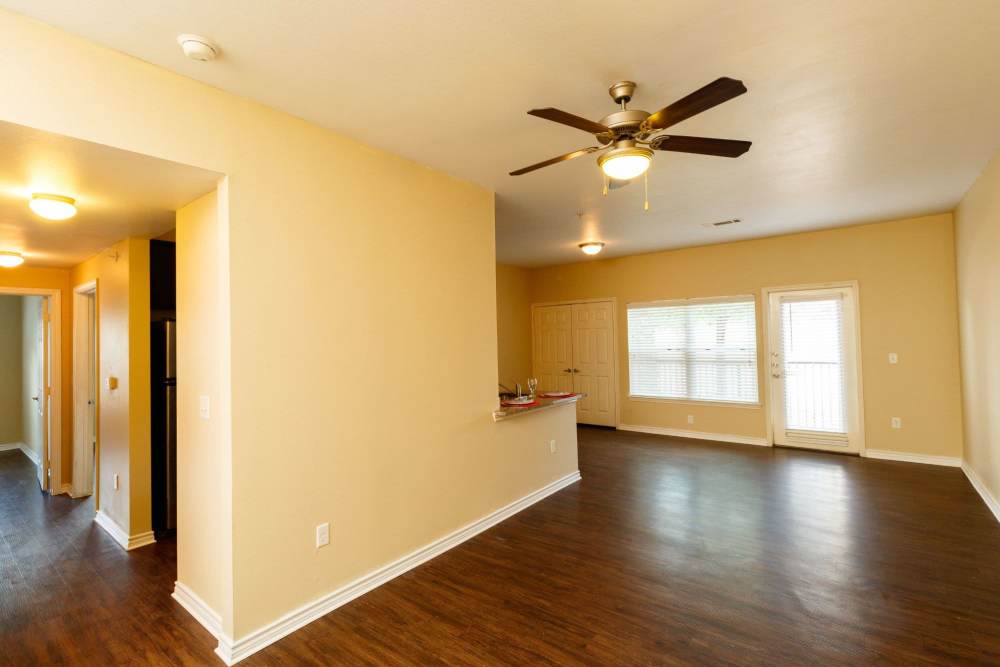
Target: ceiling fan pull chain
<point>645,179</point>
<point>605,185</point>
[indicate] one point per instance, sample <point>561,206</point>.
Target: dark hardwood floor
<point>668,552</point>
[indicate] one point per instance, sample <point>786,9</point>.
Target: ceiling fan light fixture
<point>9,259</point>
<point>624,164</point>
<point>53,207</point>
<point>592,247</point>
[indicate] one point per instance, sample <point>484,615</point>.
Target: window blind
<point>812,346</point>
<point>702,351</point>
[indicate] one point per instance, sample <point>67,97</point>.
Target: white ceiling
<point>858,110</point>
<point>118,194</point>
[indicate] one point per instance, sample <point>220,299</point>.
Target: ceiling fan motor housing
<point>625,124</point>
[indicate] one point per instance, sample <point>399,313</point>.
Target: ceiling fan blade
<point>702,145</point>
<point>557,116</point>
<point>703,99</point>
<point>561,158</point>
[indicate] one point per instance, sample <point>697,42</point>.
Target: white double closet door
<point>573,350</point>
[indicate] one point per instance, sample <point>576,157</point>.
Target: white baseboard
<point>27,451</point>
<point>697,435</point>
<point>930,459</point>
<point>981,489</point>
<point>233,651</point>
<point>127,542</point>
<point>208,617</point>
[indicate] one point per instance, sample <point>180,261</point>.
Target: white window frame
<point>691,302</point>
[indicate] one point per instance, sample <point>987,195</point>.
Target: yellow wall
<point>47,278</point>
<point>203,453</point>
<point>122,275</point>
<point>906,275</point>
<point>11,401</point>
<point>513,324</point>
<point>977,222</point>
<point>362,323</point>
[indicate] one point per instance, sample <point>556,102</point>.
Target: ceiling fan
<point>632,135</point>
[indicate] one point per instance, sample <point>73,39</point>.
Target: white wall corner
<point>907,457</point>
<point>980,487</point>
<point>210,619</point>
<point>696,435</point>
<point>120,535</point>
<point>232,652</point>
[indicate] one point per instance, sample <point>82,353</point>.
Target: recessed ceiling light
<point>198,48</point>
<point>53,207</point>
<point>592,247</point>
<point>9,259</point>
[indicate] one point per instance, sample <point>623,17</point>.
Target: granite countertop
<point>509,411</point>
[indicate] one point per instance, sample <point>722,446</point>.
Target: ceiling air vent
<point>722,223</point>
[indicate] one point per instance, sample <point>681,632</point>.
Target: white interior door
<point>812,361</point>
<point>593,362</point>
<point>552,347</point>
<point>43,393</point>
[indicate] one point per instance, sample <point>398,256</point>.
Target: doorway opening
<point>34,390</point>
<point>814,368</point>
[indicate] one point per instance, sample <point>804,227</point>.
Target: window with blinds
<point>694,350</point>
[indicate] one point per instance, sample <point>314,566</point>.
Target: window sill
<point>688,401</point>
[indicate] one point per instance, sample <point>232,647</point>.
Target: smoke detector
<point>198,48</point>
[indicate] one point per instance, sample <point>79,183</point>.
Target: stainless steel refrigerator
<point>163,349</point>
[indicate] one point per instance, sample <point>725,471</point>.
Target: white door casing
<point>84,388</point>
<point>831,370</point>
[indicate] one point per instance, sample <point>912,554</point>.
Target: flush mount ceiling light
<point>198,48</point>
<point>9,259</point>
<point>592,247</point>
<point>53,207</point>
<point>625,161</point>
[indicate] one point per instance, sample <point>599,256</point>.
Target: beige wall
<point>204,456</point>
<point>122,275</point>
<point>978,250</point>
<point>361,296</point>
<point>513,324</point>
<point>906,275</point>
<point>31,434</point>
<point>49,278</point>
<point>10,370</point>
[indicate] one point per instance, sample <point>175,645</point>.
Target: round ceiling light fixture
<point>592,247</point>
<point>625,161</point>
<point>9,259</point>
<point>53,207</point>
<point>198,48</point>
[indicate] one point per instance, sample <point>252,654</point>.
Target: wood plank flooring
<point>668,552</point>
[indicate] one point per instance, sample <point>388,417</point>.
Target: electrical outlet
<point>114,481</point>
<point>893,358</point>
<point>552,446</point>
<point>896,422</point>
<point>322,535</point>
<point>204,407</point>
<point>690,419</point>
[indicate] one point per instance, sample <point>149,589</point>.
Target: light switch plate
<point>896,422</point>
<point>893,358</point>
<point>322,535</point>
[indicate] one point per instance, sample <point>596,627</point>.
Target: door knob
<point>34,398</point>
<point>567,370</point>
